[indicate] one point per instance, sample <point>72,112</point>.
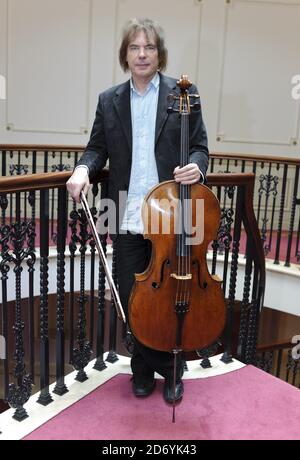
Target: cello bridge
<point>188,276</point>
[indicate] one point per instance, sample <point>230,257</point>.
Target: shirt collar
<point>154,83</point>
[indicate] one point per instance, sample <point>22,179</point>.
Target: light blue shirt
<point>143,174</point>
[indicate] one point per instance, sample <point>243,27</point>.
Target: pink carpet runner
<point>244,404</point>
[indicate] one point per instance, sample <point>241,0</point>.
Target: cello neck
<point>184,214</point>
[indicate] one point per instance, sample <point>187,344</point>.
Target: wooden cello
<point>175,304</point>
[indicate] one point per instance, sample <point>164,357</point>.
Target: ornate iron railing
<point>276,200</point>
<point>44,343</point>
<point>276,192</point>
<point>279,359</point>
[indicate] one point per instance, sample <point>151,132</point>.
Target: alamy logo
<point>2,87</point>
<point>296,349</point>
<point>165,216</point>
<point>296,88</point>
<point>2,347</point>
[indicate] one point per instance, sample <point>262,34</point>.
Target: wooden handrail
<point>227,179</point>
<point>28,182</point>
<point>274,346</point>
<point>255,157</point>
<point>215,155</point>
<point>41,148</point>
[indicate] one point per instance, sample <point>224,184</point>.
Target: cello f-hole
<point>201,285</point>
<point>156,285</point>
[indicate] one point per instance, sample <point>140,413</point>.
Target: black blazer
<point>111,137</point>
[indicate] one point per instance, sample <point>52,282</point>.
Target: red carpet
<point>244,404</point>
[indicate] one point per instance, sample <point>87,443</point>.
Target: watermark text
<point>2,87</point>
<point>296,348</point>
<point>163,217</point>
<point>2,347</point>
<point>296,87</point>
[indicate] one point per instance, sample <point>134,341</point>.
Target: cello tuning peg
<point>172,98</point>
<point>170,110</point>
<point>196,106</point>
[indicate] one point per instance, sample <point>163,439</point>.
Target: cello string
<point>179,214</point>
<point>181,247</point>
<point>185,207</point>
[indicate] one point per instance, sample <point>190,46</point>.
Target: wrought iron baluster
<point>60,387</point>
<point>11,154</point>
<point>266,361</point>
<point>260,194</point>
<point>278,364</point>
<point>19,392</point>
<point>46,161</point>
<point>241,345</point>
<point>31,269</point>
<point>53,233</point>
<point>4,269</point>
<point>297,249</point>
<point>268,247</point>
<point>112,355</point>
<point>81,354</point>
<point>92,274</point>
<point>216,244</point>
<point>75,158</point>
<point>44,398</point>
<point>243,166</point>
<point>92,292</point>
<point>225,239</point>
<point>100,364</point>
<point>227,356</point>
<point>292,365</point>
<point>270,189</point>
<point>255,307</point>
<point>281,211</point>
<point>72,247</point>
<point>268,185</point>
<point>295,201</point>
<point>3,162</point>
<point>206,353</point>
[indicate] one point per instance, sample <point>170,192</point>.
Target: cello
<point>175,304</point>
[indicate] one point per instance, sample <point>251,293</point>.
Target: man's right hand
<point>77,182</point>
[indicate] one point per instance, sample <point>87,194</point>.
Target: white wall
<point>57,55</point>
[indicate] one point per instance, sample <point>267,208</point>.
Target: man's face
<point>142,57</point>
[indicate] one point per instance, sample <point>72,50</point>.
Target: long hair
<point>152,29</point>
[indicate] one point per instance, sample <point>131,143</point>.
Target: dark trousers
<point>132,256</point>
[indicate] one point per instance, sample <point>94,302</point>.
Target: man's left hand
<point>189,174</point>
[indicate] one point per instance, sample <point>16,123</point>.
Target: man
<point>134,131</point>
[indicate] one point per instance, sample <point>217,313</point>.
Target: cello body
<point>176,304</point>
<point>153,319</point>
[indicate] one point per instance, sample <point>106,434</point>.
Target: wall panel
<point>59,54</point>
<point>48,65</point>
<point>3,34</point>
<point>260,54</point>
